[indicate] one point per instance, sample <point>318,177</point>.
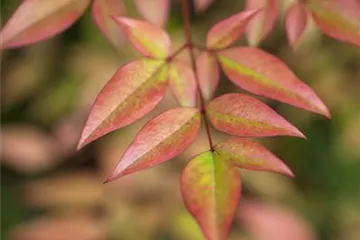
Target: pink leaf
<point>262,73</point>
<point>211,191</point>
<point>242,115</point>
<point>227,31</point>
<point>208,73</point>
<point>339,19</point>
<point>134,90</point>
<point>155,11</point>
<point>182,83</point>
<point>295,22</point>
<point>263,23</point>
<point>248,154</point>
<point>161,139</point>
<point>102,10</point>
<point>202,5</point>
<point>37,20</point>
<point>150,40</point>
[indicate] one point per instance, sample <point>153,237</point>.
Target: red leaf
<point>101,12</point>
<point>134,90</point>
<point>155,11</point>
<point>295,22</point>
<point>182,83</point>
<point>202,5</point>
<point>161,139</point>
<point>248,154</point>
<point>150,40</point>
<point>36,20</point>
<point>242,115</point>
<point>263,23</point>
<point>262,73</point>
<point>211,191</point>
<point>338,19</point>
<point>227,31</point>
<point>208,73</point>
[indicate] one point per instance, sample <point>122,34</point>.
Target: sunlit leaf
<point>262,73</point>
<point>263,23</point>
<point>242,115</point>
<point>208,73</point>
<point>102,10</point>
<point>36,20</point>
<point>154,11</point>
<point>248,154</point>
<point>295,22</point>
<point>211,191</point>
<point>134,90</point>
<point>227,31</point>
<point>182,83</point>
<point>202,5</point>
<point>339,19</point>
<point>161,139</point>
<point>150,40</point>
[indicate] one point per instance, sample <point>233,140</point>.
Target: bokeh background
<point>50,191</point>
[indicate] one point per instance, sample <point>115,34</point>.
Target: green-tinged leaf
<point>211,190</point>
<point>248,154</point>
<point>161,139</point>
<point>134,90</point>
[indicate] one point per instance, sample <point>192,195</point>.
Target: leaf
<point>227,31</point>
<point>36,20</point>
<point>338,19</point>
<point>211,191</point>
<point>161,139</point>
<point>155,11</point>
<point>208,73</point>
<point>150,40</point>
<point>134,90</point>
<point>295,22</point>
<point>182,83</point>
<point>202,5</point>
<point>242,115</point>
<point>248,154</point>
<point>262,73</point>
<point>101,12</point>
<point>263,23</point>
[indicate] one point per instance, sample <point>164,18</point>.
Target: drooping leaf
<point>150,40</point>
<point>242,115</point>
<point>338,19</point>
<point>161,139</point>
<point>154,11</point>
<point>208,73</point>
<point>182,83</point>
<point>202,5</point>
<point>262,73</point>
<point>36,20</point>
<point>263,23</point>
<point>227,31</point>
<point>248,154</point>
<point>102,10</point>
<point>295,22</point>
<point>211,191</point>
<point>134,90</point>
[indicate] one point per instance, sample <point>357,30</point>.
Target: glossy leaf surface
<point>150,40</point>
<point>262,73</point>
<point>211,191</point>
<point>295,22</point>
<point>102,10</point>
<point>36,20</point>
<point>182,83</point>
<point>227,31</point>
<point>134,90</point>
<point>242,115</point>
<point>208,73</point>
<point>248,154</point>
<point>154,11</point>
<point>161,139</point>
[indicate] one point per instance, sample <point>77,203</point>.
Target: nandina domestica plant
<point>210,183</point>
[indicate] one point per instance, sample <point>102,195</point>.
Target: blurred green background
<point>50,191</point>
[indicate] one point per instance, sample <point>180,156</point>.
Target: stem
<point>190,45</point>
